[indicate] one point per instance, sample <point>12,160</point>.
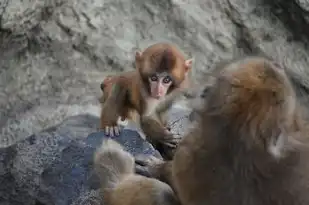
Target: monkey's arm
<point>163,140</point>
<point>155,130</point>
<point>156,118</point>
<point>112,107</point>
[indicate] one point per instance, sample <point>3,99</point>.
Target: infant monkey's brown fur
<point>121,186</point>
<point>250,147</point>
<point>146,93</point>
<point>108,88</point>
<point>126,112</point>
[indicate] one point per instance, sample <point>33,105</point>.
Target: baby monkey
<point>250,147</point>
<point>145,94</point>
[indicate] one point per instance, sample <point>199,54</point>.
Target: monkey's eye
<point>153,78</point>
<point>167,79</point>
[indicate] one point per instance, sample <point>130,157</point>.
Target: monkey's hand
<point>109,124</point>
<point>157,133</point>
<point>111,129</point>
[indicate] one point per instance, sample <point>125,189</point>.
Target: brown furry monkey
<point>119,183</point>
<point>161,70</point>
<point>250,147</point>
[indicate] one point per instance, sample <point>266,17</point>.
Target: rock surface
<point>54,167</point>
<point>54,53</point>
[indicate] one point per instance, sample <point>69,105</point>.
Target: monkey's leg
<point>112,108</point>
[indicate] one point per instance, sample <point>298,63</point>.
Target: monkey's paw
<point>112,131</point>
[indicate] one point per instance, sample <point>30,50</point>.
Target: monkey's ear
<point>138,58</point>
<point>188,63</point>
<point>105,81</point>
<point>138,55</point>
<point>102,86</point>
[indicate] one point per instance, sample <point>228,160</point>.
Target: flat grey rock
<point>55,166</point>
<point>131,141</point>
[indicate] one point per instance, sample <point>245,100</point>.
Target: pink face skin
<point>159,84</point>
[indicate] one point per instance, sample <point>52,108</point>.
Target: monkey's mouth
<point>158,96</point>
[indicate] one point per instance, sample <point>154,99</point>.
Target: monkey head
<point>254,98</point>
<point>162,68</point>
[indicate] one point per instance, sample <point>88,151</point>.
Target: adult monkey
<point>120,185</point>
<point>145,94</point>
<point>251,146</point>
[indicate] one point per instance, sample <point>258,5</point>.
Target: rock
<point>89,198</point>
<point>179,119</point>
<point>129,139</point>
<point>55,165</point>
<point>55,53</point>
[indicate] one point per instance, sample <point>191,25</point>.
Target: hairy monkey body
<point>147,93</point>
<point>119,183</point>
<point>250,146</point>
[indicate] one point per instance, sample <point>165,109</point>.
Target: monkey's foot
<point>112,131</point>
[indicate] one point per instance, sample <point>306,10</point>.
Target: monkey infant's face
<point>159,84</point>
<point>162,68</point>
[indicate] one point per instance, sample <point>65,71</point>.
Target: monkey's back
<point>205,173</point>
<point>128,81</point>
<point>139,190</point>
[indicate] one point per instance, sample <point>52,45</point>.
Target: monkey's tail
<point>112,163</point>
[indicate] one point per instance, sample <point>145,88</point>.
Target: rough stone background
<point>54,53</point>
<point>55,166</point>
